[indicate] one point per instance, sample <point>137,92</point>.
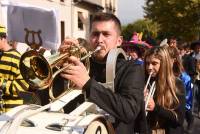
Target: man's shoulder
<point>126,64</point>
<point>13,52</point>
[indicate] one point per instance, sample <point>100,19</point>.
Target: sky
<point>130,10</point>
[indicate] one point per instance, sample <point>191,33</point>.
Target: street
<point>196,126</point>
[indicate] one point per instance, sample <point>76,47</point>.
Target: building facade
<point>74,15</point>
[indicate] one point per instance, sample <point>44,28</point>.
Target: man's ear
<point>120,40</point>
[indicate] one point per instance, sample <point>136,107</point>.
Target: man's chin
<point>100,57</point>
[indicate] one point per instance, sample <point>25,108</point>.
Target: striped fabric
<point>2,29</point>
<point>11,80</point>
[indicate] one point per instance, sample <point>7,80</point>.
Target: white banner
<point>28,24</point>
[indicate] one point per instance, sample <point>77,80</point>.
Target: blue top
<point>140,62</point>
<point>186,79</point>
<point>137,61</point>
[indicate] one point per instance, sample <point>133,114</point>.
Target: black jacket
<point>126,104</point>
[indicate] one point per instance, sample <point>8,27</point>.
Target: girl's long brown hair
<point>166,89</point>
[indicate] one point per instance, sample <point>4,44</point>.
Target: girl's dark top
<point>167,119</point>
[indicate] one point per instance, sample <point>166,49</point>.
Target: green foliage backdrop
<point>178,18</point>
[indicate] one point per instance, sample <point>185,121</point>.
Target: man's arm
<point>125,103</point>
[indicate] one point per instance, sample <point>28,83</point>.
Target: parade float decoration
<point>136,40</point>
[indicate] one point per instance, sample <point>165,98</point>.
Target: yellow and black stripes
<point>2,29</point>
<point>11,80</point>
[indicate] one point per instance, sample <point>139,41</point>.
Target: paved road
<point>196,126</point>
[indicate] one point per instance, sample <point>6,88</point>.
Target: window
<point>80,21</point>
<point>62,24</point>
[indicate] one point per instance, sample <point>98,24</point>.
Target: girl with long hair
<point>166,108</point>
<point>180,73</point>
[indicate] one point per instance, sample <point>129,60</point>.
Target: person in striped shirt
<point>11,81</point>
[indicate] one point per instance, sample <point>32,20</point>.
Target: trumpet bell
<point>40,71</point>
<point>35,69</point>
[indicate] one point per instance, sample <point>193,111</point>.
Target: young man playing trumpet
<point>125,104</point>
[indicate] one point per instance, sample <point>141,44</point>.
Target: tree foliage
<point>178,18</point>
<point>146,26</point>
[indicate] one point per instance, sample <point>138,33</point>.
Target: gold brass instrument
<point>84,59</point>
<point>151,91</point>
<point>38,71</point>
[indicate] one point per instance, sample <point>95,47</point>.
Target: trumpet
<point>151,91</point>
<point>39,72</point>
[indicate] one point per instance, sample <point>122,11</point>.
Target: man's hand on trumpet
<point>76,72</point>
<point>67,43</point>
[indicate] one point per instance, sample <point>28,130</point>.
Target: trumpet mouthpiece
<point>97,49</point>
<point>90,53</point>
<point>150,73</point>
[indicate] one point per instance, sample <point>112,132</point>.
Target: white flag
<point>28,24</point>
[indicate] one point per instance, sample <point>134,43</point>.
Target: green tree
<point>178,18</point>
<point>146,26</point>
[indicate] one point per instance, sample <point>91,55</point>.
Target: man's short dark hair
<point>3,35</point>
<point>106,17</point>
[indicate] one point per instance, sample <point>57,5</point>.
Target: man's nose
<point>100,38</point>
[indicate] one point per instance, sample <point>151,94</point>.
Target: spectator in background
<point>184,50</point>
<point>173,42</point>
<point>11,82</point>
<point>187,81</point>
<point>197,83</point>
<point>189,60</point>
<point>135,53</point>
<point>195,46</point>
